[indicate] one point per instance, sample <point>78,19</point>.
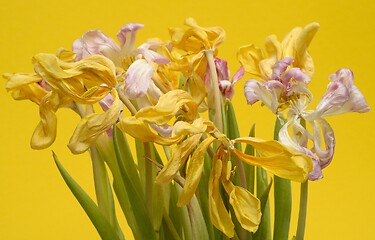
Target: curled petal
<point>167,107</point>
<point>25,86</point>
<point>126,36</point>
<point>226,89</point>
<point>164,130</point>
<point>238,75</point>
<point>92,126</point>
<point>194,171</point>
<point>179,155</point>
<point>281,67</point>
<point>183,128</point>
<point>321,126</point>
<point>106,102</point>
<point>85,81</point>
<point>268,93</point>
<point>138,78</point>
<point>279,159</point>
<point>274,51</point>
<point>45,133</point>
<point>296,74</point>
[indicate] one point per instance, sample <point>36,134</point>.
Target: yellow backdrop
<point>36,204</point>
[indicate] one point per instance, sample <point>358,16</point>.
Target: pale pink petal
<point>138,78</point>
<point>163,130</point>
<point>152,56</point>
<point>106,102</point>
<point>296,74</point>
<point>96,42</point>
<point>254,91</point>
<point>222,69</point>
<point>342,96</point>
<point>127,35</point>
<point>322,127</point>
<point>280,67</point>
<point>238,75</point>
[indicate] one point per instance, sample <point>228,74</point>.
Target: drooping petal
<point>255,91</point>
<point>151,55</point>
<point>138,78</point>
<point>45,132</point>
<point>179,155</point>
<point>92,126</point>
<point>278,159</point>
<point>219,215</point>
<point>25,86</point>
<point>194,171</point>
<point>322,127</point>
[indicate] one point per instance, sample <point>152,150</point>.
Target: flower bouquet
<point>187,172</point>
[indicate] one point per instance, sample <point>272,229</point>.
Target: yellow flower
<point>59,82</point>
<point>294,45</point>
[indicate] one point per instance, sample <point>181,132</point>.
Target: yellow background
<point>36,204</point>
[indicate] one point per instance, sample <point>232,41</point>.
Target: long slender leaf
<point>128,170</point>
<point>283,199</point>
<point>99,221</point>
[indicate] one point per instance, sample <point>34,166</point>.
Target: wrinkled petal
<point>45,132</point>
<point>276,158</point>
<point>179,155</point>
<point>86,81</point>
<point>168,105</point>
<point>138,78</point>
<point>322,127</point>
<point>164,130</point>
<point>194,172</point>
<point>255,91</point>
<point>92,126</point>
<point>226,89</point>
<point>139,130</point>
<point>296,74</point>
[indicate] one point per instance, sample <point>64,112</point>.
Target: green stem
<point>100,181</point>
<point>214,90</point>
<point>302,211</point>
<point>149,178</point>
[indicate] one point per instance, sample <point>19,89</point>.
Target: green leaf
<point>283,198</point>
<point>99,221</point>
<point>130,179</point>
<point>249,169</point>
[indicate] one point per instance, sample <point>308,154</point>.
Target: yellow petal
<point>93,125</point>
<point>194,172</point>
<point>250,57</point>
<point>197,88</point>
<point>45,132</point>
<point>220,217</point>
<point>274,52</point>
<point>139,130</point>
<point>179,155</point>
<point>183,128</point>
<point>169,104</point>
<point>276,158</point>
<point>94,74</point>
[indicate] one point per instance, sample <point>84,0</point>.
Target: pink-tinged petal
<point>280,67</point>
<point>322,127</point>
<point>127,35</point>
<point>221,69</point>
<point>226,89</point>
<point>163,130</point>
<point>316,173</point>
<point>137,79</point>
<point>254,91</point>
<point>96,42</point>
<point>296,74</point>
<point>238,75</point>
<point>152,56</point>
<point>106,102</point>
<point>342,96</point>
